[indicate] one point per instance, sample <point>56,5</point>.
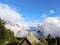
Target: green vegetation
<point>51,41</point>
<point>3,32</point>
<point>6,35</point>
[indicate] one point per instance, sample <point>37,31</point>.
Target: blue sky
<point>35,10</point>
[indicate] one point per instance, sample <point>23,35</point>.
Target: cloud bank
<point>50,25</point>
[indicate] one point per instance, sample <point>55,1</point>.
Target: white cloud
<point>12,18</point>
<point>53,20</point>
<point>52,25</point>
<point>22,34</point>
<point>51,11</point>
<point>9,14</point>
